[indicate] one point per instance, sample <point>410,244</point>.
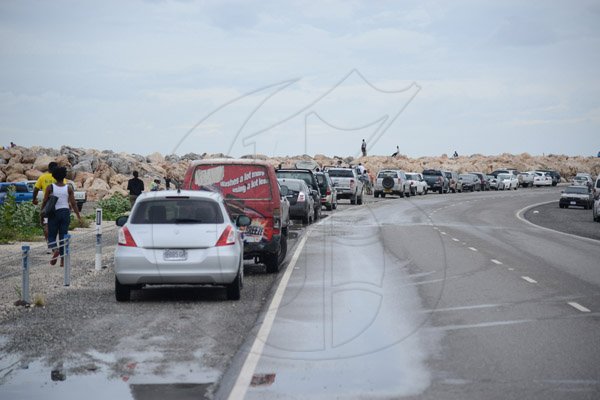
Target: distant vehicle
<point>391,181</point>
<point>347,184</point>
<point>596,209</point>
<point>509,181</point>
<point>179,237</point>
<point>436,180</point>
<point>417,183</point>
<point>309,177</point>
<point>470,182</point>
<point>583,179</point>
<point>328,191</point>
<point>248,187</point>
<point>485,184</point>
<point>493,182</point>
<point>22,193</point>
<point>596,188</point>
<point>580,196</point>
<point>553,174</point>
<point>302,205</point>
<point>542,178</point>
<point>505,171</point>
<point>452,181</point>
<point>526,178</point>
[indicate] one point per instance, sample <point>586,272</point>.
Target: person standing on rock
<point>135,186</point>
<point>45,180</point>
<point>59,221</point>
<point>363,148</point>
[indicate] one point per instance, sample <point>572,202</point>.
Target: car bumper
<point>574,202</point>
<point>298,210</point>
<point>216,265</point>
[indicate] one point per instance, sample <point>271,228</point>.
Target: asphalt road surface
<point>434,297</point>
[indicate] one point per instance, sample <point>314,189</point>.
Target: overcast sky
<point>294,77</point>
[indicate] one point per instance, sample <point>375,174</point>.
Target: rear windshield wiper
<point>187,221</point>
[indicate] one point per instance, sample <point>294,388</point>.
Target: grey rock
<point>83,166</point>
<point>139,158</point>
<point>120,165</point>
<point>191,157</point>
<point>172,158</point>
<point>72,154</point>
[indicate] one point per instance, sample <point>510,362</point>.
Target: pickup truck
<point>347,184</point>
<point>436,180</point>
<point>80,196</point>
<point>22,194</point>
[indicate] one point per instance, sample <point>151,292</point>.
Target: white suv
<point>391,181</point>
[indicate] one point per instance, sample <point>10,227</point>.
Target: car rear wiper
<point>187,221</point>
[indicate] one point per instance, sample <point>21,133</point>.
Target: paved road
<point>442,296</point>
<point>574,220</point>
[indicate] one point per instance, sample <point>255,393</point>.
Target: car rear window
<point>341,173</point>
<point>292,185</point>
<point>412,177</point>
<point>578,190</point>
<point>242,181</point>
<point>432,172</point>
<point>322,183</point>
<point>305,176</point>
<point>18,188</point>
<point>391,174</point>
<point>177,211</point>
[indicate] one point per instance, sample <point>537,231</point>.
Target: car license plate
<point>175,255</point>
<point>387,190</point>
<point>573,203</point>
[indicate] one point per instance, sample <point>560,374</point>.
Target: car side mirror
<point>122,220</point>
<point>284,190</point>
<point>243,220</point>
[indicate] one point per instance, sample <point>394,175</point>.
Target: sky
<point>298,77</point>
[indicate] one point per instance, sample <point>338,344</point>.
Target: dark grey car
<point>300,199</point>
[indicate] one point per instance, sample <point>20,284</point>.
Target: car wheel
<point>383,195</point>
<point>306,219</point>
<point>234,289</point>
<point>329,207</point>
<point>441,191</point>
<point>334,205</point>
<point>122,292</point>
<point>317,214</point>
<point>376,194</point>
<point>359,200</point>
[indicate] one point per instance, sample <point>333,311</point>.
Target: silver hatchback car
<point>179,237</point>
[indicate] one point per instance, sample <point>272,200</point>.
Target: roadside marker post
<point>98,264</point>
<point>67,256</point>
<point>25,283</point>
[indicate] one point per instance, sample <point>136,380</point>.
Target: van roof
<point>230,161</point>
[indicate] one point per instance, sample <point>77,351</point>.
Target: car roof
<point>196,194</point>
<point>283,180</point>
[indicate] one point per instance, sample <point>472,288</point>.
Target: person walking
<point>135,186</point>
<point>60,219</point>
<point>45,180</point>
<point>363,148</point>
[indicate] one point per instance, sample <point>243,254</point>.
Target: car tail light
<point>276,218</point>
<point>301,196</point>
<point>125,238</point>
<point>227,237</point>
<point>352,183</point>
<point>328,192</point>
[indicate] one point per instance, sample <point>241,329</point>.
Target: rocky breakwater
<point>104,173</point>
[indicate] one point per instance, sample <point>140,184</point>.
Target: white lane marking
<point>436,228</point>
<point>480,325</point>
<point>578,306</point>
<point>528,279</point>
<point>455,239</point>
<point>472,249</point>
<point>243,380</point>
<point>443,233</point>
<point>511,269</point>
<point>496,261</point>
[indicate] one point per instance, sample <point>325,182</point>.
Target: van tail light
<point>227,237</point>
<point>352,183</point>
<point>125,238</point>
<point>301,196</point>
<point>276,218</point>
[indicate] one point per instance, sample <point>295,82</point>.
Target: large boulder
<point>139,158</point>
<point>16,168</point>
<point>104,172</point>
<point>81,178</point>
<point>155,158</point>
<point>33,174</point>
<point>117,189</point>
<point>41,163</point>
<point>191,157</point>
<point>121,165</point>
<point>16,177</point>
<point>172,158</point>
<point>83,166</point>
<point>2,177</point>
<point>72,154</point>
<point>96,189</point>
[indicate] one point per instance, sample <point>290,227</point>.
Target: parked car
<point>80,195</point>
<point>596,209</point>
<point>485,184</point>
<point>583,180</point>
<point>309,177</point>
<point>285,209</point>
<point>553,174</point>
<point>509,181</point>
<point>542,178</point>
<point>327,190</point>
<point>453,182</point>
<point>436,180</point>
<point>179,237</point>
<point>347,184</point>
<point>22,193</point>
<point>417,183</point>
<point>580,196</point>
<point>302,205</point>
<point>391,181</point>
<point>470,182</point>
<point>249,187</point>
<point>596,188</point>
<point>493,182</point>
<point>526,179</point>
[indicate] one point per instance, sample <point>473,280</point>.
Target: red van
<point>249,187</point>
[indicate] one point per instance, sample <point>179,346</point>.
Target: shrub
<point>114,206</point>
<point>18,221</point>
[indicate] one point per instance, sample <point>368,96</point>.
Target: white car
<point>509,181</point>
<point>391,181</point>
<point>542,179</point>
<point>596,209</point>
<point>179,237</point>
<point>417,183</point>
<point>526,178</point>
<point>583,180</point>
